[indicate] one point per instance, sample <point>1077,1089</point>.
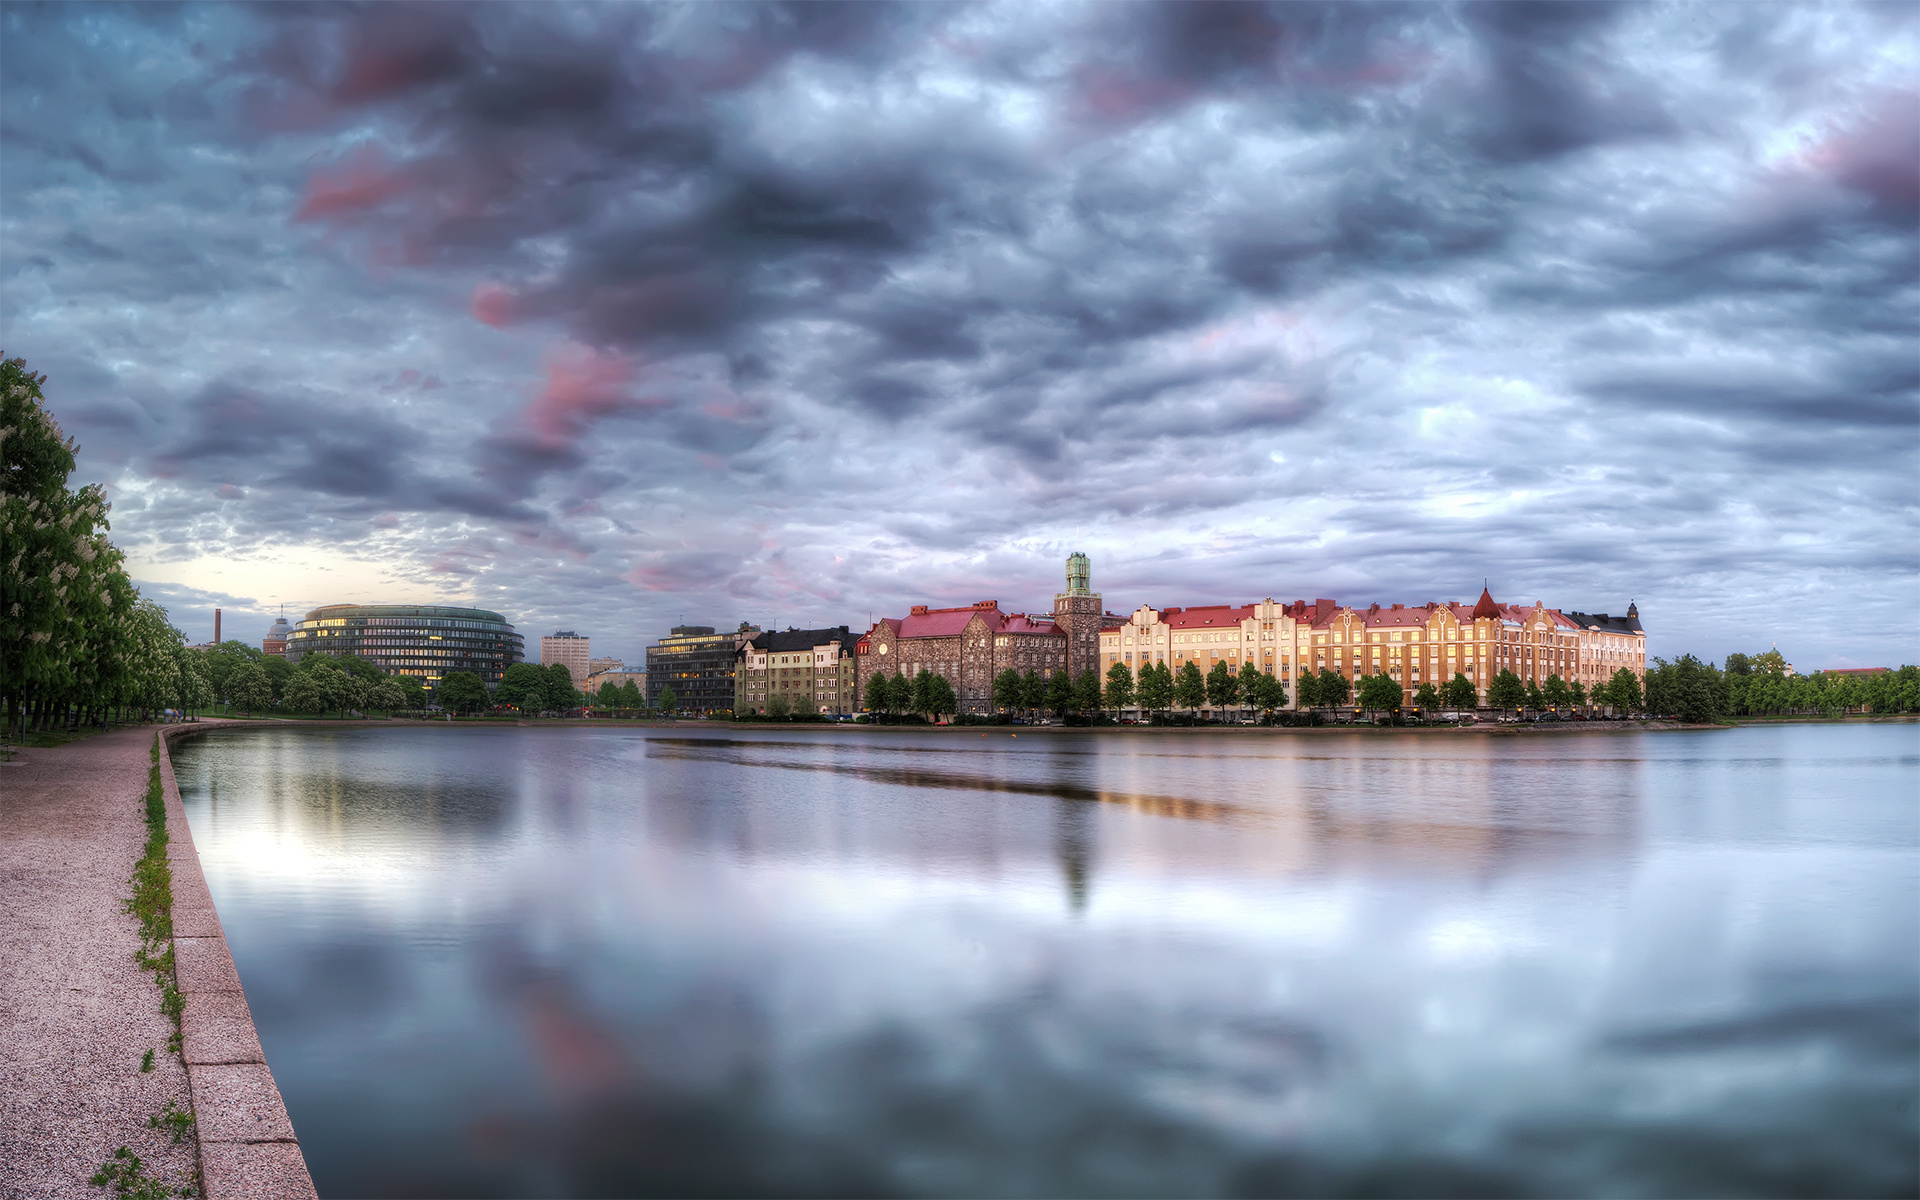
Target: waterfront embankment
<point>89,1061</point>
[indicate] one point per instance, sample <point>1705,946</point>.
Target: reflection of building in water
<point>970,646</point>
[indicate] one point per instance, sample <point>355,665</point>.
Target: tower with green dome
<point>1077,612</point>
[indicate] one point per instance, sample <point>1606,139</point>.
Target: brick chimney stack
<point>216,627</point>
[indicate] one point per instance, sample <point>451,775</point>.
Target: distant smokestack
<point>216,627</point>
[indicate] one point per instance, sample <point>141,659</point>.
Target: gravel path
<point>76,1013</point>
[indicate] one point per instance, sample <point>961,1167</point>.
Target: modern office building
<point>566,646</point>
<point>811,669</point>
<point>425,642</point>
<point>698,664</point>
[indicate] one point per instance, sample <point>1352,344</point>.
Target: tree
<point>880,694</point>
<point>1086,692</point>
<point>1535,700</point>
<point>1556,693</point>
<point>1265,692</point>
<point>1008,692</point>
<point>940,695</point>
<point>1119,686</point>
<point>1460,692</point>
<point>1306,689</point>
<point>1622,691</point>
<point>523,686</point>
<point>249,689</point>
<point>668,701</point>
<point>461,692</point>
<point>1506,691</point>
<point>1033,691</point>
<point>777,707</point>
<point>1189,686</point>
<point>1379,693</point>
<point>1223,688</point>
<point>1687,688</point>
<point>388,696</point>
<point>1335,688</point>
<point>308,694</point>
<point>1059,692</point>
<point>561,695</point>
<point>1577,692</point>
<point>1426,697</point>
<point>1250,677</point>
<point>1156,687</point>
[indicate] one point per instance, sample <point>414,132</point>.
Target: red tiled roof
<point>1219,616</point>
<point>1486,608</point>
<point>1857,671</point>
<point>951,622</point>
<point>1396,617</point>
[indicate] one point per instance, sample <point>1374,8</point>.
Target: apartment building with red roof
<point>971,645</point>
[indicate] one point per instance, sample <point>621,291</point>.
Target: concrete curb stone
<point>247,1143</point>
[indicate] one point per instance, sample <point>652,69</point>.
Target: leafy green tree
<point>1426,697</point>
<point>249,689</point>
<point>879,694</point>
<point>668,701</point>
<point>388,696</point>
<point>1223,687</point>
<point>1577,692</point>
<point>462,692</point>
<point>1059,692</point>
<point>562,696</point>
<point>1156,687</point>
<point>1034,689</point>
<point>940,695</point>
<point>1086,692</point>
<point>1506,691</point>
<point>1379,693</point>
<point>1250,677</point>
<point>308,694</point>
<point>1556,693</point>
<point>1306,689</point>
<point>1460,692</point>
<point>1535,700</point>
<point>1265,692</point>
<point>196,690</point>
<point>279,673</point>
<point>1686,688</point>
<point>1335,689</point>
<point>523,686</point>
<point>1119,687</point>
<point>919,698</point>
<point>777,707</point>
<point>1622,691</point>
<point>1009,694</point>
<point>1739,664</point>
<point>1189,686</point>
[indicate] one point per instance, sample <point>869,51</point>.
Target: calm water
<point>589,962</point>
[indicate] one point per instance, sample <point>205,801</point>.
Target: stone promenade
<point>77,1013</point>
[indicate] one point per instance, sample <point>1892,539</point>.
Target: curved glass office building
<point>423,641</point>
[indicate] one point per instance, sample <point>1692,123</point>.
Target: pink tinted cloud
<point>361,182</point>
<point>583,385</point>
<point>1879,155</point>
<point>493,305</point>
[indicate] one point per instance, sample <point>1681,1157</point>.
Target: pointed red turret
<point>1486,610</point>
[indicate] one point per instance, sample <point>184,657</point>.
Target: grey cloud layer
<point>793,313</point>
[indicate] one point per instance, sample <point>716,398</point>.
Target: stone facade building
<point>970,646</point>
<point>566,646</point>
<point>812,669</point>
<point>1412,644</point>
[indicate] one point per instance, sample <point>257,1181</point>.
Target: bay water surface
<point>709,961</point>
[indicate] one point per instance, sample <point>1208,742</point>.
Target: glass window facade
<point>425,642</point>
<point>698,663</point>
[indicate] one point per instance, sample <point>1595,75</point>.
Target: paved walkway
<point>76,1013</point>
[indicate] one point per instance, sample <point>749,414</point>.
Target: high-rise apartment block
<point>566,646</point>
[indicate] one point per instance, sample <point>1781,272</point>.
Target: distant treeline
<point>1759,686</point>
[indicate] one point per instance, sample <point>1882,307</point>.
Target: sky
<point>610,318</point>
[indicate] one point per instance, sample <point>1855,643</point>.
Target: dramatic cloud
<point>610,317</point>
